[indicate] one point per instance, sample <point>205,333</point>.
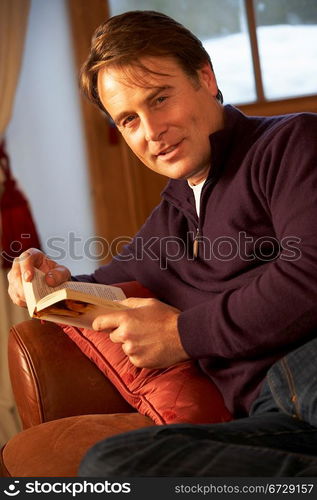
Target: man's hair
<point>124,39</point>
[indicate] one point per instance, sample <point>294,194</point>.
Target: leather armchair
<point>65,404</point>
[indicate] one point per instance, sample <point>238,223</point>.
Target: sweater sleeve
<point>278,307</point>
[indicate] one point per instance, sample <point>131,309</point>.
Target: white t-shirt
<point>197,192</point>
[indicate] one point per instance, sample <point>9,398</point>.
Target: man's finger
<point>20,302</point>
<point>137,302</point>
<point>109,321</point>
<point>115,337</point>
<point>27,261</point>
<point>15,271</point>
<point>57,275</point>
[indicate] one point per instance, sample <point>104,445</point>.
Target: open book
<point>71,303</point>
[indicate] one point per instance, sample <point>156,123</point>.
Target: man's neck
<point>198,178</point>
<point>202,175</point>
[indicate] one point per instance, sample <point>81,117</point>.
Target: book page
<point>41,288</point>
<point>29,296</point>
<point>103,291</point>
<point>37,289</point>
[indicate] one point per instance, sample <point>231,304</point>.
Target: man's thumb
<point>57,276</point>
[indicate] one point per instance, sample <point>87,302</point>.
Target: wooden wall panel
<point>123,190</point>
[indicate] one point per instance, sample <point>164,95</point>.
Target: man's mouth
<point>167,151</point>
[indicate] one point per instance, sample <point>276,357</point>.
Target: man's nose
<point>153,129</point>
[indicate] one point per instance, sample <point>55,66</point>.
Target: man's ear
<point>208,80</point>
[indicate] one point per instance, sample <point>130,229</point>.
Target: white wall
<point>45,136</point>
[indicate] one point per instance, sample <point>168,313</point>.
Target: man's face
<point>165,118</point>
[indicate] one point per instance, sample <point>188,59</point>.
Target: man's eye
<point>128,120</point>
<point>161,99</point>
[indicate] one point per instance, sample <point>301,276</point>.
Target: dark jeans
<point>279,438</point>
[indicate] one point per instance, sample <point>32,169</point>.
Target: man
<point>231,249</point>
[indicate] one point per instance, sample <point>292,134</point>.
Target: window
<point>261,49</point>
<point>287,39</point>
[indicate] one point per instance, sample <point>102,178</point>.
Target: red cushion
<point>181,393</point>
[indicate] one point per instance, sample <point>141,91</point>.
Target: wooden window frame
<point>263,106</point>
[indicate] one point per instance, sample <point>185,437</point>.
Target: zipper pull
<point>195,247</point>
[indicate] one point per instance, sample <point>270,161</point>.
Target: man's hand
<point>25,264</point>
<point>148,332</point>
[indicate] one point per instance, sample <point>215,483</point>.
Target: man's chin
<point>174,172</point>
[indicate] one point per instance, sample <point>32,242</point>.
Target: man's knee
<point>293,383</point>
<point>93,465</point>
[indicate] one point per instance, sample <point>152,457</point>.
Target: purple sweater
<point>250,294</point>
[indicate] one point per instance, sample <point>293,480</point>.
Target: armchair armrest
<point>51,378</point>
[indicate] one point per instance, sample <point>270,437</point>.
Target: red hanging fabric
<point>18,231</point>
<point>113,134</point>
